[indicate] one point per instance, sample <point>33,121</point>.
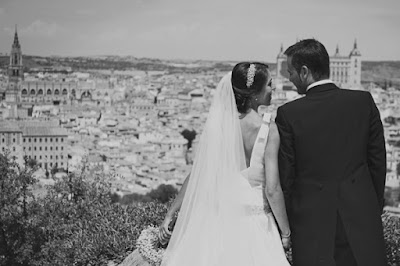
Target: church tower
<point>355,66</point>
<point>280,60</point>
<point>15,71</point>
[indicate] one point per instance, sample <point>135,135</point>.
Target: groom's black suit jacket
<point>332,161</point>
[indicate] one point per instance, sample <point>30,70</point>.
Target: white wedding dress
<point>266,247</point>
<point>225,219</point>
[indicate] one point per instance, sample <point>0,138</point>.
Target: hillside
<point>120,63</point>
<point>380,72</point>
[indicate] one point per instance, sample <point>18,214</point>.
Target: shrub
<point>391,225</point>
<point>19,236</point>
<point>163,193</point>
<point>83,227</point>
<point>76,223</point>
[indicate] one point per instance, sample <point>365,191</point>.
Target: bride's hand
<point>286,242</point>
<point>164,233</point>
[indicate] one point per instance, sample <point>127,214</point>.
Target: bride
<point>231,206</point>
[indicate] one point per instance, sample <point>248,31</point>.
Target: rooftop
<point>44,131</point>
<point>6,127</point>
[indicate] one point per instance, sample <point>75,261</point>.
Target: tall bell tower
<point>15,71</point>
<point>355,66</point>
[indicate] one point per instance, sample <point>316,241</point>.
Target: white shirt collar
<point>320,82</point>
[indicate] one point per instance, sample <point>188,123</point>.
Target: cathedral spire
<point>15,68</point>
<point>16,41</point>
<point>281,53</point>
<point>355,51</point>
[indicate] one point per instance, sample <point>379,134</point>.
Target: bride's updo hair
<point>248,78</point>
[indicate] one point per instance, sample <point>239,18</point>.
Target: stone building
<point>345,71</point>
<point>11,140</point>
<point>15,72</point>
<point>39,140</point>
<point>47,92</point>
<point>40,92</point>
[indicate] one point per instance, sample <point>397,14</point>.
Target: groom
<point>332,163</point>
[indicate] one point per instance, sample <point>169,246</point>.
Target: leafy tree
<point>30,162</point>
<point>19,235</point>
<point>390,120</point>
<point>114,197</point>
<point>190,135</point>
<point>397,143</point>
<point>77,223</point>
<point>83,227</point>
<point>163,193</point>
<point>391,230</point>
<point>388,201</point>
<point>398,169</point>
<point>134,198</point>
<point>53,171</point>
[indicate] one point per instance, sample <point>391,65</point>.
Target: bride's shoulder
<point>273,116</point>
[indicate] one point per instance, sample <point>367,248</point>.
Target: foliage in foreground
<point>163,194</point>
<point>392,238</point>
<point>76,223</point>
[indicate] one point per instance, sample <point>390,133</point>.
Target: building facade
<point>40,92</point>
<point>11,141</point>
<point>47,92</point>
<point>345,71</point>
<point>15,72</point>
<point>41,141</point>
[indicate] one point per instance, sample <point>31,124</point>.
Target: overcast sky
<point>202,29</point>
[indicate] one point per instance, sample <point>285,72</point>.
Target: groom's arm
<point>376,155</point>
<point>286,155</point>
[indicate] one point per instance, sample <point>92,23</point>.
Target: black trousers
<point>343,254</point>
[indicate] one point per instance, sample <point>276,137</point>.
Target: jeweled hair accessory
<point>251,72</point>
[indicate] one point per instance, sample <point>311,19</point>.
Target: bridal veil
<point>213,223</point>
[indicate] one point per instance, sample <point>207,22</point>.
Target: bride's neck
<point>251,119</point>
<point>248,114</point>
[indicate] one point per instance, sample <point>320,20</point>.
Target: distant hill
<point>383,73</point>
<point>30,62</point>
<point>380,72</point>
<point>120,63</point>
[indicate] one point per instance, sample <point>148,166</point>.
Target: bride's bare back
<point>250,125</point>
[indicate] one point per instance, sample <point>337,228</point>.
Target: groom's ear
<point>304,72</point>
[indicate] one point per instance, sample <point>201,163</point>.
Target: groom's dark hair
<point>312,54</point>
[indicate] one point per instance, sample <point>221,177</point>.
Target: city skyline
<point>177,29</point>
